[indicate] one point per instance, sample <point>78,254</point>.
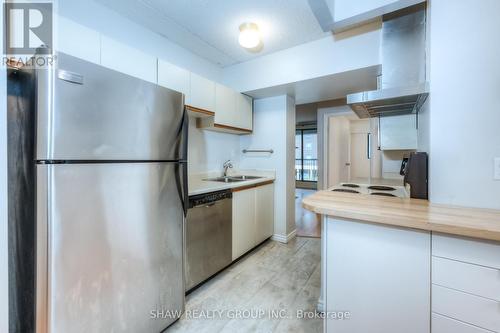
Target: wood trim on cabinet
<point>232,128</point>
<point>247,187</point>
<point>198,110</point>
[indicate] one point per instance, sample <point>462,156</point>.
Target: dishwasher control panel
<point>207,198</point>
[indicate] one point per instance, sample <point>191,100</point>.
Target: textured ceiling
<point>209,28</point>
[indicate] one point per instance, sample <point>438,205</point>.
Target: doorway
<point>306,158</point>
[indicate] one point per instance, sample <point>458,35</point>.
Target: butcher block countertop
<point>408,213</point>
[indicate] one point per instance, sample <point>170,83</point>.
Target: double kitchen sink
<point>231,179</point>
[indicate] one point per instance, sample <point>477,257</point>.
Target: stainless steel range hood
<point>402,88</point>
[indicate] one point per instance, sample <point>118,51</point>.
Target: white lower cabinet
<point>471,309</point>
<point>380,275</point>
<point>442,324</point>
<point>466,283</point>
<point>243,221</point>
<point>473,251</point>
<point>473,279</point>
<point>264,212</point>
<point>253,217</point>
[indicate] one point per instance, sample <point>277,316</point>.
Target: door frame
<point>323,136</point>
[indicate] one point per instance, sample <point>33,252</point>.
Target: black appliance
<point>416,175</point>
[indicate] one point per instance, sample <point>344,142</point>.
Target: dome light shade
<point>249,35</point>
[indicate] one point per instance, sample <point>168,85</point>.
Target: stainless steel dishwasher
<point>208,236</point>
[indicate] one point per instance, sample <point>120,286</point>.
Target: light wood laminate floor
<point>308,224</point>
<point>284,278</point>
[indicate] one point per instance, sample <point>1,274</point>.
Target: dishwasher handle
<point>209,199</point>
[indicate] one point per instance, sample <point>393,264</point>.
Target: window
<point>306,155</point>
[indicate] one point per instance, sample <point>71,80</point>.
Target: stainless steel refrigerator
<point>111,196</point>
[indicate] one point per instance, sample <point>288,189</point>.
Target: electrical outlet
<point>496,166</point>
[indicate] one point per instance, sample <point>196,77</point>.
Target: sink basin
<point>224,180</point>
<point>231,179</point>
<point>245,177</point>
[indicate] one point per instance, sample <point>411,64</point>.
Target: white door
<point>338,150</point>
<point>360,164</point>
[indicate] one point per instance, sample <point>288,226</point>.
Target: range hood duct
<point>402,88</point>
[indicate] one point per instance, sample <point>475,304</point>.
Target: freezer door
<point>110,248</point>
<point>89,112</point>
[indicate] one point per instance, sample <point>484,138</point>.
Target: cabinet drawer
<point>473,279</point>
<point>471,309</point>
<point>441,324</point>
<point>469,250</point>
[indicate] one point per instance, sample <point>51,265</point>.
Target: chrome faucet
<point>227,165</point>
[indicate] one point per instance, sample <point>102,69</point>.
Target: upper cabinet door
<point>398,132</point>
<point>202,93</point>
<point>225,106</point>
<point>128,60</point>
<point>175,78</point>
<point>244,110</point>
<point>86,46</point>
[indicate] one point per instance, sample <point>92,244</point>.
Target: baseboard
<point>283,238</point>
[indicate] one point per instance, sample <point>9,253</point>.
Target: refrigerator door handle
<point>181,179</point>
<point>181,171</point>
<point>185,132</point>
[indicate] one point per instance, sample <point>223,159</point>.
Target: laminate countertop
<point>408,213</point>
<point>198,183</point>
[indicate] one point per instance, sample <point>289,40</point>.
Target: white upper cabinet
<point>244,109</point>
<point>87,44</point>
<point>225,106</point>
<point>398,132</point>
<point>232,110</point>
<point>128,60</point>
<point>202,93</point>
<point>175,78</point>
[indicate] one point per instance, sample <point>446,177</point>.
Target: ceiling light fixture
<point>249,35</point>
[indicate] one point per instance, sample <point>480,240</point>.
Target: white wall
<point>107,22</point>
<point>209,150</point>
<point>274,128</point>
<point>344,9</point>
<point>306,115</point>
<point>326,56</point>
<point>424,127</point>
<point>465,102</point>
